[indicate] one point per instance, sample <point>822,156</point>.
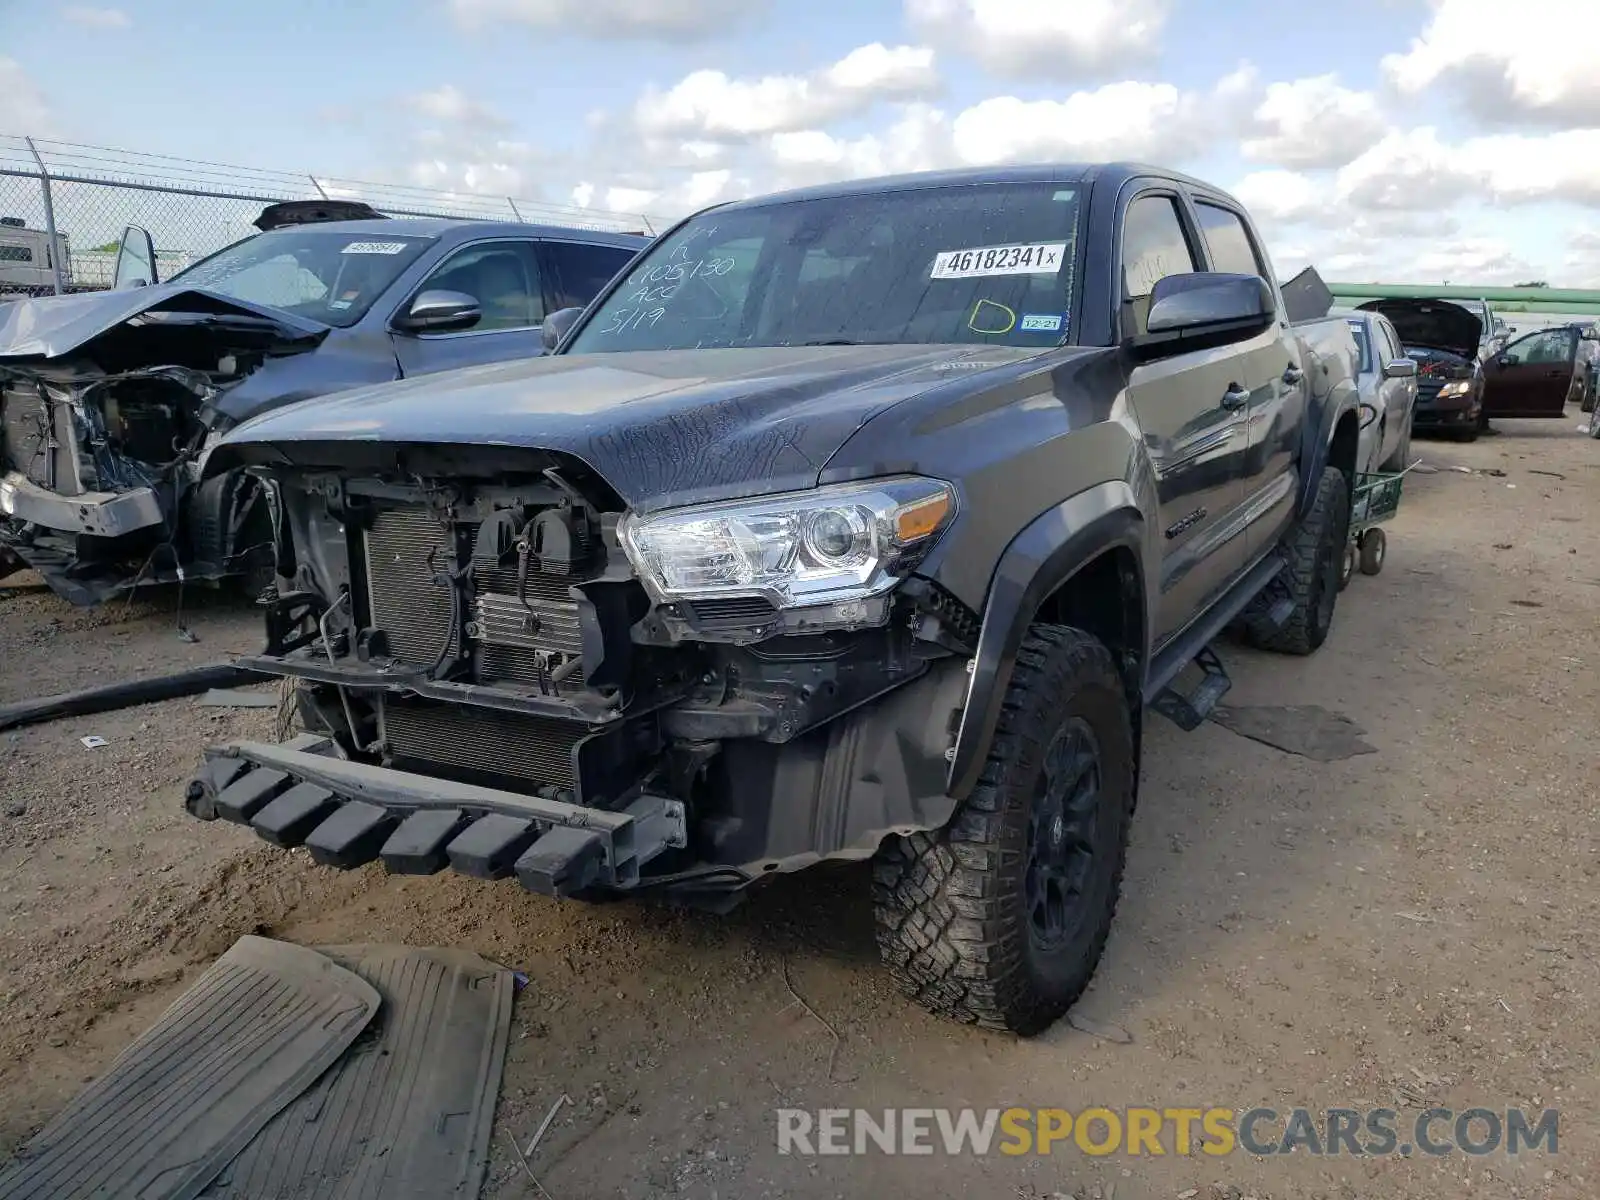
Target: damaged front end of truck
<point>109,404</point>
<point>495,673</point>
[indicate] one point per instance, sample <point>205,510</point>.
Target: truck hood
<point>52,327</point>
<point>661,427</point>
<point>1435,323</point>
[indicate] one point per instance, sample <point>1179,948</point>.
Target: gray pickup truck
<point>864,522</point>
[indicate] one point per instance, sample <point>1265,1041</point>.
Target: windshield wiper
<point>835,342</point>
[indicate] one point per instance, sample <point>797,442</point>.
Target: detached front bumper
<point>98,514</point>
<point>348,814</point>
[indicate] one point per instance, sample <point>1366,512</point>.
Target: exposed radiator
<point>412,610</point>
<point>509,634</point>
<point>25,424</point>
<point>482,741</point>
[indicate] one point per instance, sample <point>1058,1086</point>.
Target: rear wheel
<point>1000,918</point>
<point>1314,552</point>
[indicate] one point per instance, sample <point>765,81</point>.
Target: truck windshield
<point>990,264</point>
<point>328,275</point>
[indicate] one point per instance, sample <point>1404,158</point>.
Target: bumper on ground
<point>100,514</point>
<point>347,814</point>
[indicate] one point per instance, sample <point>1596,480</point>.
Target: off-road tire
<point>953,920</point>
<point>1313,552</point>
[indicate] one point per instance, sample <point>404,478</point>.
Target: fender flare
<point>1048,552</point>
<point>1317,442</point>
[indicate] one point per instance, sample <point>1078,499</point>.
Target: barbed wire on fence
<point>192,207</point>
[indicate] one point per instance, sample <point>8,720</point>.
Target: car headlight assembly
<point>831,554</point>
<point>1456,387</point>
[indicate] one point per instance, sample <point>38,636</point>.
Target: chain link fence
<point>87,195</point>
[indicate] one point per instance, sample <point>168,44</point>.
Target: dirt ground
<point>1408,928</point>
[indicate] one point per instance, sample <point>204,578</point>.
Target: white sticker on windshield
<point>1041,258</point>
<point>374,248</point>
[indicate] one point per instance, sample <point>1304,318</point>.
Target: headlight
<point>845,543</point>
<point>1456,387</point>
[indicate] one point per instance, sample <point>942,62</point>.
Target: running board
<point>1188,712</point>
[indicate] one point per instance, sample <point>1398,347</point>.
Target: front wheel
<point>1594,422</point>
<point>1000,918</point>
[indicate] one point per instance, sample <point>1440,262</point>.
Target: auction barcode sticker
<point>374,248</point>
<point>1040,258</point>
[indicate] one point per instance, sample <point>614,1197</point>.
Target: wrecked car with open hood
<point>111,401</point>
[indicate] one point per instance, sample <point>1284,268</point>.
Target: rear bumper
<point>99,514</point>
<point>348,814</point>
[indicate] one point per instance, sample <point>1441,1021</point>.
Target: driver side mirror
<point>556,326</point>
<point>1400,368</point>
<point>1208,307</point>
<point>439,311</point>
<point>136,260</point>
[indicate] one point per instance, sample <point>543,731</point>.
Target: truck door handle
<point>1293,374</point>
<point>1235,397</point>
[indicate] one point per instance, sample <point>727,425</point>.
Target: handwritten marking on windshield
<point>625,319</point>
<point>991,318</point>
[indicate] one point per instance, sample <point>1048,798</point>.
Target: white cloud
<point>1554,166</point>
<point>918,140</point>
<point>690,194</point>
<point>1314,122</point>
<point>1280,195</point>
<point>710,106</point>
<point>1582,265</point>
<point>1128,120</point>
<point>1534,62</point>
<point>1048,38</point>
<point>1408,170</point>
<point>96,18</point>
<point>619,20</point>
<point>23,109</point>
<point>450,105</point>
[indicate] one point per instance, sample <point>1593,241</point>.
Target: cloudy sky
<point>1420,140</point>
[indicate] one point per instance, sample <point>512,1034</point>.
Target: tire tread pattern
<point>950,926</point>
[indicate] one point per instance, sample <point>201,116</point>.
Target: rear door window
<point>1227,240</point>
<point>582,270</point>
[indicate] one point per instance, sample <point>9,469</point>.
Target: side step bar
<point>1189,711</point>
<point>347,814</point>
